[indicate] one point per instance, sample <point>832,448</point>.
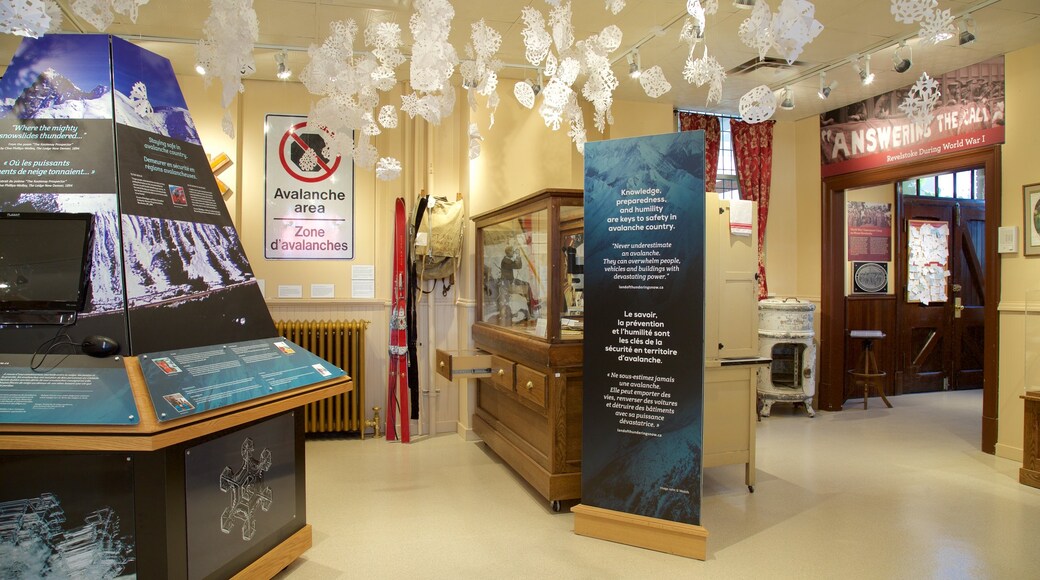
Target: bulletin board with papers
<point>928,258</point>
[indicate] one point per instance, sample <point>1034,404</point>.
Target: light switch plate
<point>1007,240</point>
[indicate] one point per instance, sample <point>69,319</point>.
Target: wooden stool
<point>868,373</point>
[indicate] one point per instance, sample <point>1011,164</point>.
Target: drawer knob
<point>501,372</point>
<point>442,364</point>
<point>529,385</point>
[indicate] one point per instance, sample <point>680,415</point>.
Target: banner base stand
<point>641,531</point>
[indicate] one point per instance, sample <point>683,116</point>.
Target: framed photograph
<point>1031,241</point>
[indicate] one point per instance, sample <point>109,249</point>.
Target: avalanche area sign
<point>308,198</point>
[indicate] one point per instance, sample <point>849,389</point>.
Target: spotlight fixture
<point>865,76</point>
<point>634,67</point>
<point>787,103</point>
<point>901,63</point>
<point>284,72</point>
<point>967,30</point>
<point>825,89</point>
<point>744,4</point>
<point>537,87</point>
<point>200,69</point>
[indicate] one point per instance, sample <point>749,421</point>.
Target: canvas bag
<point>438,243</point>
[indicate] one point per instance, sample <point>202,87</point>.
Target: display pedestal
<point>1029,474</point>
<point>217,494</point>
<point>643,532</point>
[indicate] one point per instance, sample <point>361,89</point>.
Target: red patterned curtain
<point>753,149</point>
<point>710,125</point>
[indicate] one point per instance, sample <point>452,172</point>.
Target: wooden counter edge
<point>273,562</point>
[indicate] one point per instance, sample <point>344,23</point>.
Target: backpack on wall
<point>438,241</point>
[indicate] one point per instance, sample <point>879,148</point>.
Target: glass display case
<point>531,257</point>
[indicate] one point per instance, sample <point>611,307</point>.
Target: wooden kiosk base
<point>641,531</point>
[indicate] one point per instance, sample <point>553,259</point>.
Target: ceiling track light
<point>744,4</point>
<point>967,30</point>
<point>634,67</point>
<point>787,103</point>
<point>283,69</point>
<point>825,89</point>
<point>865,76</point>
<point>903,57</point>
<point>200,69</point>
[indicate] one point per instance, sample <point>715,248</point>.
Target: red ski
<point>397,388</point>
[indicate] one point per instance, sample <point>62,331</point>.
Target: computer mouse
<point>99,346</point>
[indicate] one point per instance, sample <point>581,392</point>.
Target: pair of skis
<point>397,387</point>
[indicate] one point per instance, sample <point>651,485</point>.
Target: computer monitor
<point>44,266</point>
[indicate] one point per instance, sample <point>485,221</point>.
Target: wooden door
<point>968,292</point>
<point>924,344</point>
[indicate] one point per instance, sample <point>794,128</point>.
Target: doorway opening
<point>938,350</point>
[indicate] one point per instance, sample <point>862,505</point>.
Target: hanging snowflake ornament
<point>524,93</point>
<point>615,6</point>
<point>537,40</point>
<point>480,72</point>
<point>711,6</point>
<point>562,27</point>
<point>226,49</point>
<point>433,61</point>
<point>577,125</point>
<point>388,169</point>
<point>654,83</point>
<point>706,70</point>
<point>911,11</point>
<point>30,18</point>
<point>758,104</point>
<point>921,100</point>
<point>101,13</point>
<point>388,117</point>
<point>474,141</point>
<point>936,27</point>
<point>793,27</point>
<point>756,30</point>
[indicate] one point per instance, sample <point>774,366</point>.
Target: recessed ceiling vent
<point>768,63</point>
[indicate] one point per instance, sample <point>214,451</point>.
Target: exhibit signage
<point>875,132</point>
<point>869,231</point>
<point>643,349</point>
<point>309,198</point>
<point>65,390</point>
<point>194,380</point>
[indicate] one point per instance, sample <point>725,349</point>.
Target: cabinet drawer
<point>531,385</point>
<point>502,373</point>
<point>455,364</point>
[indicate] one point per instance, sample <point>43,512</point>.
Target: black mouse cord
<point>48,346</point>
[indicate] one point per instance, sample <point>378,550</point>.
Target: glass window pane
<point>946,185</point>
<point>980,183</point>
<point>909,187</point>
<point>963,179</point>
<point>926,187</point>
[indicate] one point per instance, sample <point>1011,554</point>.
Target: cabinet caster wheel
<point>751,489</point>
<point>555,505</point>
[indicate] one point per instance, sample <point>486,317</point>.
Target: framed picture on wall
<point>869,277</point>
<point>1031,196</point>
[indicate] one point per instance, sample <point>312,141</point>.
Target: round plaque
<point>871,277</point>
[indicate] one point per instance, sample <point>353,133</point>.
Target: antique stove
<point>785,335</point>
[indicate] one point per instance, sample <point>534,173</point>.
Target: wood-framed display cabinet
<point>529,265</point>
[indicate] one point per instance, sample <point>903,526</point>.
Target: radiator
<point>342,344</point>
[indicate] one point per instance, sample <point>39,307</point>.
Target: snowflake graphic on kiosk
<point>247,490</point>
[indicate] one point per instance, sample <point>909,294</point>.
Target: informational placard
<point>65,390</point>
<point>309,198</point>
<point>239,491</point>
<point>643,350</point>
<point>928,258</point>
<point>869,231</point>
<point>877,132</point>
<point>869,277</point>
<point>195,380</point>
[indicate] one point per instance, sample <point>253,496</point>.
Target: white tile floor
<point>881,493</point>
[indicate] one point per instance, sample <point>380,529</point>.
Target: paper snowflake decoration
<point>388,169</point>
<point>577,126</point>
<point>696,11</point>
<point>936,27</point>
<point>480,72</point>
<point>537,40</point>
<point>433,61</point>
<point>711,6</point>
<point>474,141</point>
<point>911,11</point>
<point>388,117</point>
<point>139,99</point>
<point>793,27</point>
<point>758,104</point>
<point>100,13</point>
<point>562,27</point>
<point>31,18</point>
<point>706,70</point>
<point>654,83</point>
<point>756,31</point>
<point>226,49</point>
<point>615,6</point>
<point>524,93</point>
<point>920,102</point>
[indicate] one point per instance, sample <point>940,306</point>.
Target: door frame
<point>832,271</point>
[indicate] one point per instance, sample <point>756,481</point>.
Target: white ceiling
<point>170,27</point>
